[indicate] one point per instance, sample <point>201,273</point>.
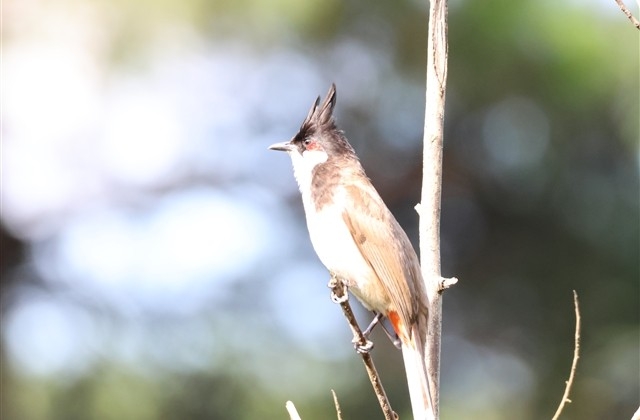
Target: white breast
<point>337,250</point>
<point>332,240</point>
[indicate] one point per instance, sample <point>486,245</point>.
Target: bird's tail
<point>417,377</point>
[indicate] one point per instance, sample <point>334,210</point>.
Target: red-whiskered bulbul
<point>359,241</point>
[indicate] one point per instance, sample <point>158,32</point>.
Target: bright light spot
<point>302,306</point>
<point>45,338</point>
<point>515,134</point>
<point>488,376</point>
<point>50,91</point>
<point>51,102</point>
<point>173,258</point>
<point>143,137</point>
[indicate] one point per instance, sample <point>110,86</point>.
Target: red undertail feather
<point>398,326</point>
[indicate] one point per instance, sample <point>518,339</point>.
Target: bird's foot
<point>396,342</point>
<point>373,323</point>
<point>362,348</point>
<point>391,334</point>
<point>339,299</point>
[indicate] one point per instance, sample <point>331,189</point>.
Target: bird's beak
<point>285,146</point>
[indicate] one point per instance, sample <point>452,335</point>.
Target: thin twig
<point>293,413</point>
<point>339,295</point>
<point>574,364</point>
<point>627,12</point>
<point>337,404</point>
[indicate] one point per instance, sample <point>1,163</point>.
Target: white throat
<point>303,165</point>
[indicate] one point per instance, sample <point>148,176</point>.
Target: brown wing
<point>385,246</point>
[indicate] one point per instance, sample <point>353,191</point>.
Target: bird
<point>357,238</point>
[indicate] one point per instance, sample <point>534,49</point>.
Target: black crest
<point>320,117</point>
<point>320,123</point>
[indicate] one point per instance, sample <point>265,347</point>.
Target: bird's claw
<point>362,348</point>
<point>396,342</point>
<point>339,299</point>
<point>338,286</point>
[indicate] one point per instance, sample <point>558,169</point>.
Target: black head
<point>318,131</point>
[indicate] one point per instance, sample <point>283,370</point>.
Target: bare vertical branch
<point>574,364</point>
<point>429,208</point>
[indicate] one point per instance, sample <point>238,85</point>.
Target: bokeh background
<point>155,261</point>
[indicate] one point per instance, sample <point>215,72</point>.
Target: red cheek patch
<point>313,146</point>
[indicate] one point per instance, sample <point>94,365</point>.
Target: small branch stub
<point>447,283</point>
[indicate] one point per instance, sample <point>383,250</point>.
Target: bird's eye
<point>310,144</point>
